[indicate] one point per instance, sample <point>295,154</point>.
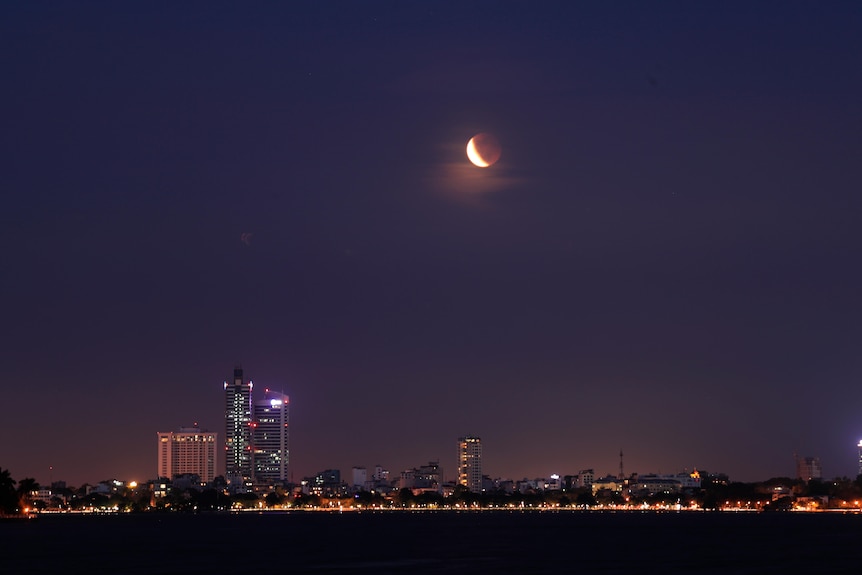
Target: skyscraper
<point>270,438</point>
<point>860,456</point>
<point>470,463</point>
<point>188,451</point>
<point>237,416</point>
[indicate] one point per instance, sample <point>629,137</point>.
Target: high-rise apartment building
<point>270,438</point>
<point>188,451</point>
<point>470,463</point>
<point>238,432</point>
<point>860,456</point>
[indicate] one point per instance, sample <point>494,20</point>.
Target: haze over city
<point>664,259</point>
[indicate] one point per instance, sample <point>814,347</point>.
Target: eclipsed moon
<point>483,150</point>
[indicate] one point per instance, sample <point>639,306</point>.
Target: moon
<point>483,150</point>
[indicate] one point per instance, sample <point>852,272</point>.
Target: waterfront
<point>434,542</point>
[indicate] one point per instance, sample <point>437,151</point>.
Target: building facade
<point>808,468</point>
<point>428,477</point>
<point>360,478</point>
<point>470,463</point>
<point>189,451</point>
<point>585,478</point>
<point>271,438</point>
<point>380,475</point>
<point>238,428</point>
<point>325,484</point>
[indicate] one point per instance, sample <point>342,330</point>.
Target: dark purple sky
<point>666,259</point>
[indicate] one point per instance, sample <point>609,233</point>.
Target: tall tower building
<point>270,438</point>
<point>859,446</point>
<point>237,417</point>
<point>470,463</point>
<point>188,451</point>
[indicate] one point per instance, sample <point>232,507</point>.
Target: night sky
<point>666,258</point>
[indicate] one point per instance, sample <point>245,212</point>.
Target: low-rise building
<point>585,478</point>
<point>607,483</point>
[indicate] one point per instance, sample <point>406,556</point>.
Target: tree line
<point>15,495</point>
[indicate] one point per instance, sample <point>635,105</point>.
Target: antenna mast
<point>622,475</point>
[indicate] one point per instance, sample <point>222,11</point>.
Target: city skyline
<point>659,258</point>
<point>256,449</point>
<point>260,426</point>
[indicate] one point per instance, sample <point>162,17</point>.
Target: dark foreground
<point>444,542</point>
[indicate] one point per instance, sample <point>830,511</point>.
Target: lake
<point>444,542</point>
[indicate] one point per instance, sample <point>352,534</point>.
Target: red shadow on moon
<point>484,150</point>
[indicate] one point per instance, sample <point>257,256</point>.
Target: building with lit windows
<point>189,451</point>
<point>270,438</point>
<point>325,484</point>
<point>427,478</point>
<point>859,446</point>
<point>470,463</point>
<point>238,430</point>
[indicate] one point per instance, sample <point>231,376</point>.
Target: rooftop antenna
<point>622,475</point>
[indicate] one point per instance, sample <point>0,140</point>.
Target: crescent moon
<point>483,150</point>
<point>474,155</point>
